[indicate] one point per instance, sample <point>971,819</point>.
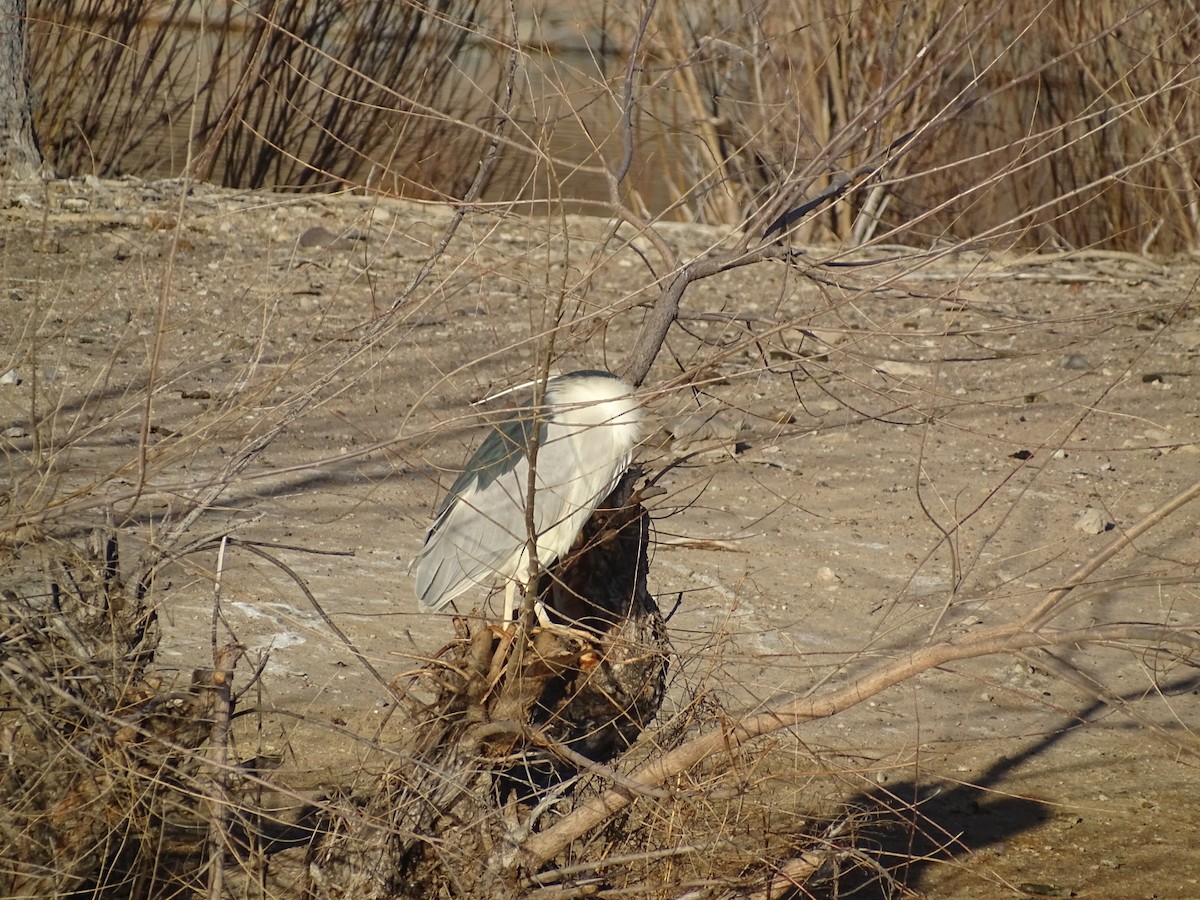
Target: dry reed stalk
<point>1029,102</point>
<point>287,94</point>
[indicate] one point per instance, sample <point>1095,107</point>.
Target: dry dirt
<point>917,457</point>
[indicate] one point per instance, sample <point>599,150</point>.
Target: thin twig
<point>1052,605</point>
<point>224,661</point>
<point>320,610</point>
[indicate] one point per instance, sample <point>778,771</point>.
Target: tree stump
<point>514,718</point>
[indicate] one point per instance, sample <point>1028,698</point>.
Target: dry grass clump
<point>449,812</point>
<point>1064,124</point>
<point>100,782</point>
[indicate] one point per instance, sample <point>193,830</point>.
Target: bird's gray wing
<point>480,525</point>
<point>504,447</point>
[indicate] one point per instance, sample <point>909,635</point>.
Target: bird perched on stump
<point>586,430</point>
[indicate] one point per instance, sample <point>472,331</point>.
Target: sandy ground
<point>930,456</point>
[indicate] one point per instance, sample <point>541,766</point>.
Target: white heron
<point>586,430</point>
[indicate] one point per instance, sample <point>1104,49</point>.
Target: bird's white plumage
<point>588,427</point>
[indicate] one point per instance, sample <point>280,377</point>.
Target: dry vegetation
<point>218,384</point>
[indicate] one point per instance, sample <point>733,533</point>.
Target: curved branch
<point>1052,604</point>
<point>541,847</point>
<point>666,309</point>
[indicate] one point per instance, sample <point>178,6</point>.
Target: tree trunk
<point>20,157</point>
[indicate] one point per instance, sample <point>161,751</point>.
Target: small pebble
<point>1091,521</point>
<point>10,377</point>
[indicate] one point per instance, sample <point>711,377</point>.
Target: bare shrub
<point>287,95</point>
<point>100,775</point>
<point>1058,125</point>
